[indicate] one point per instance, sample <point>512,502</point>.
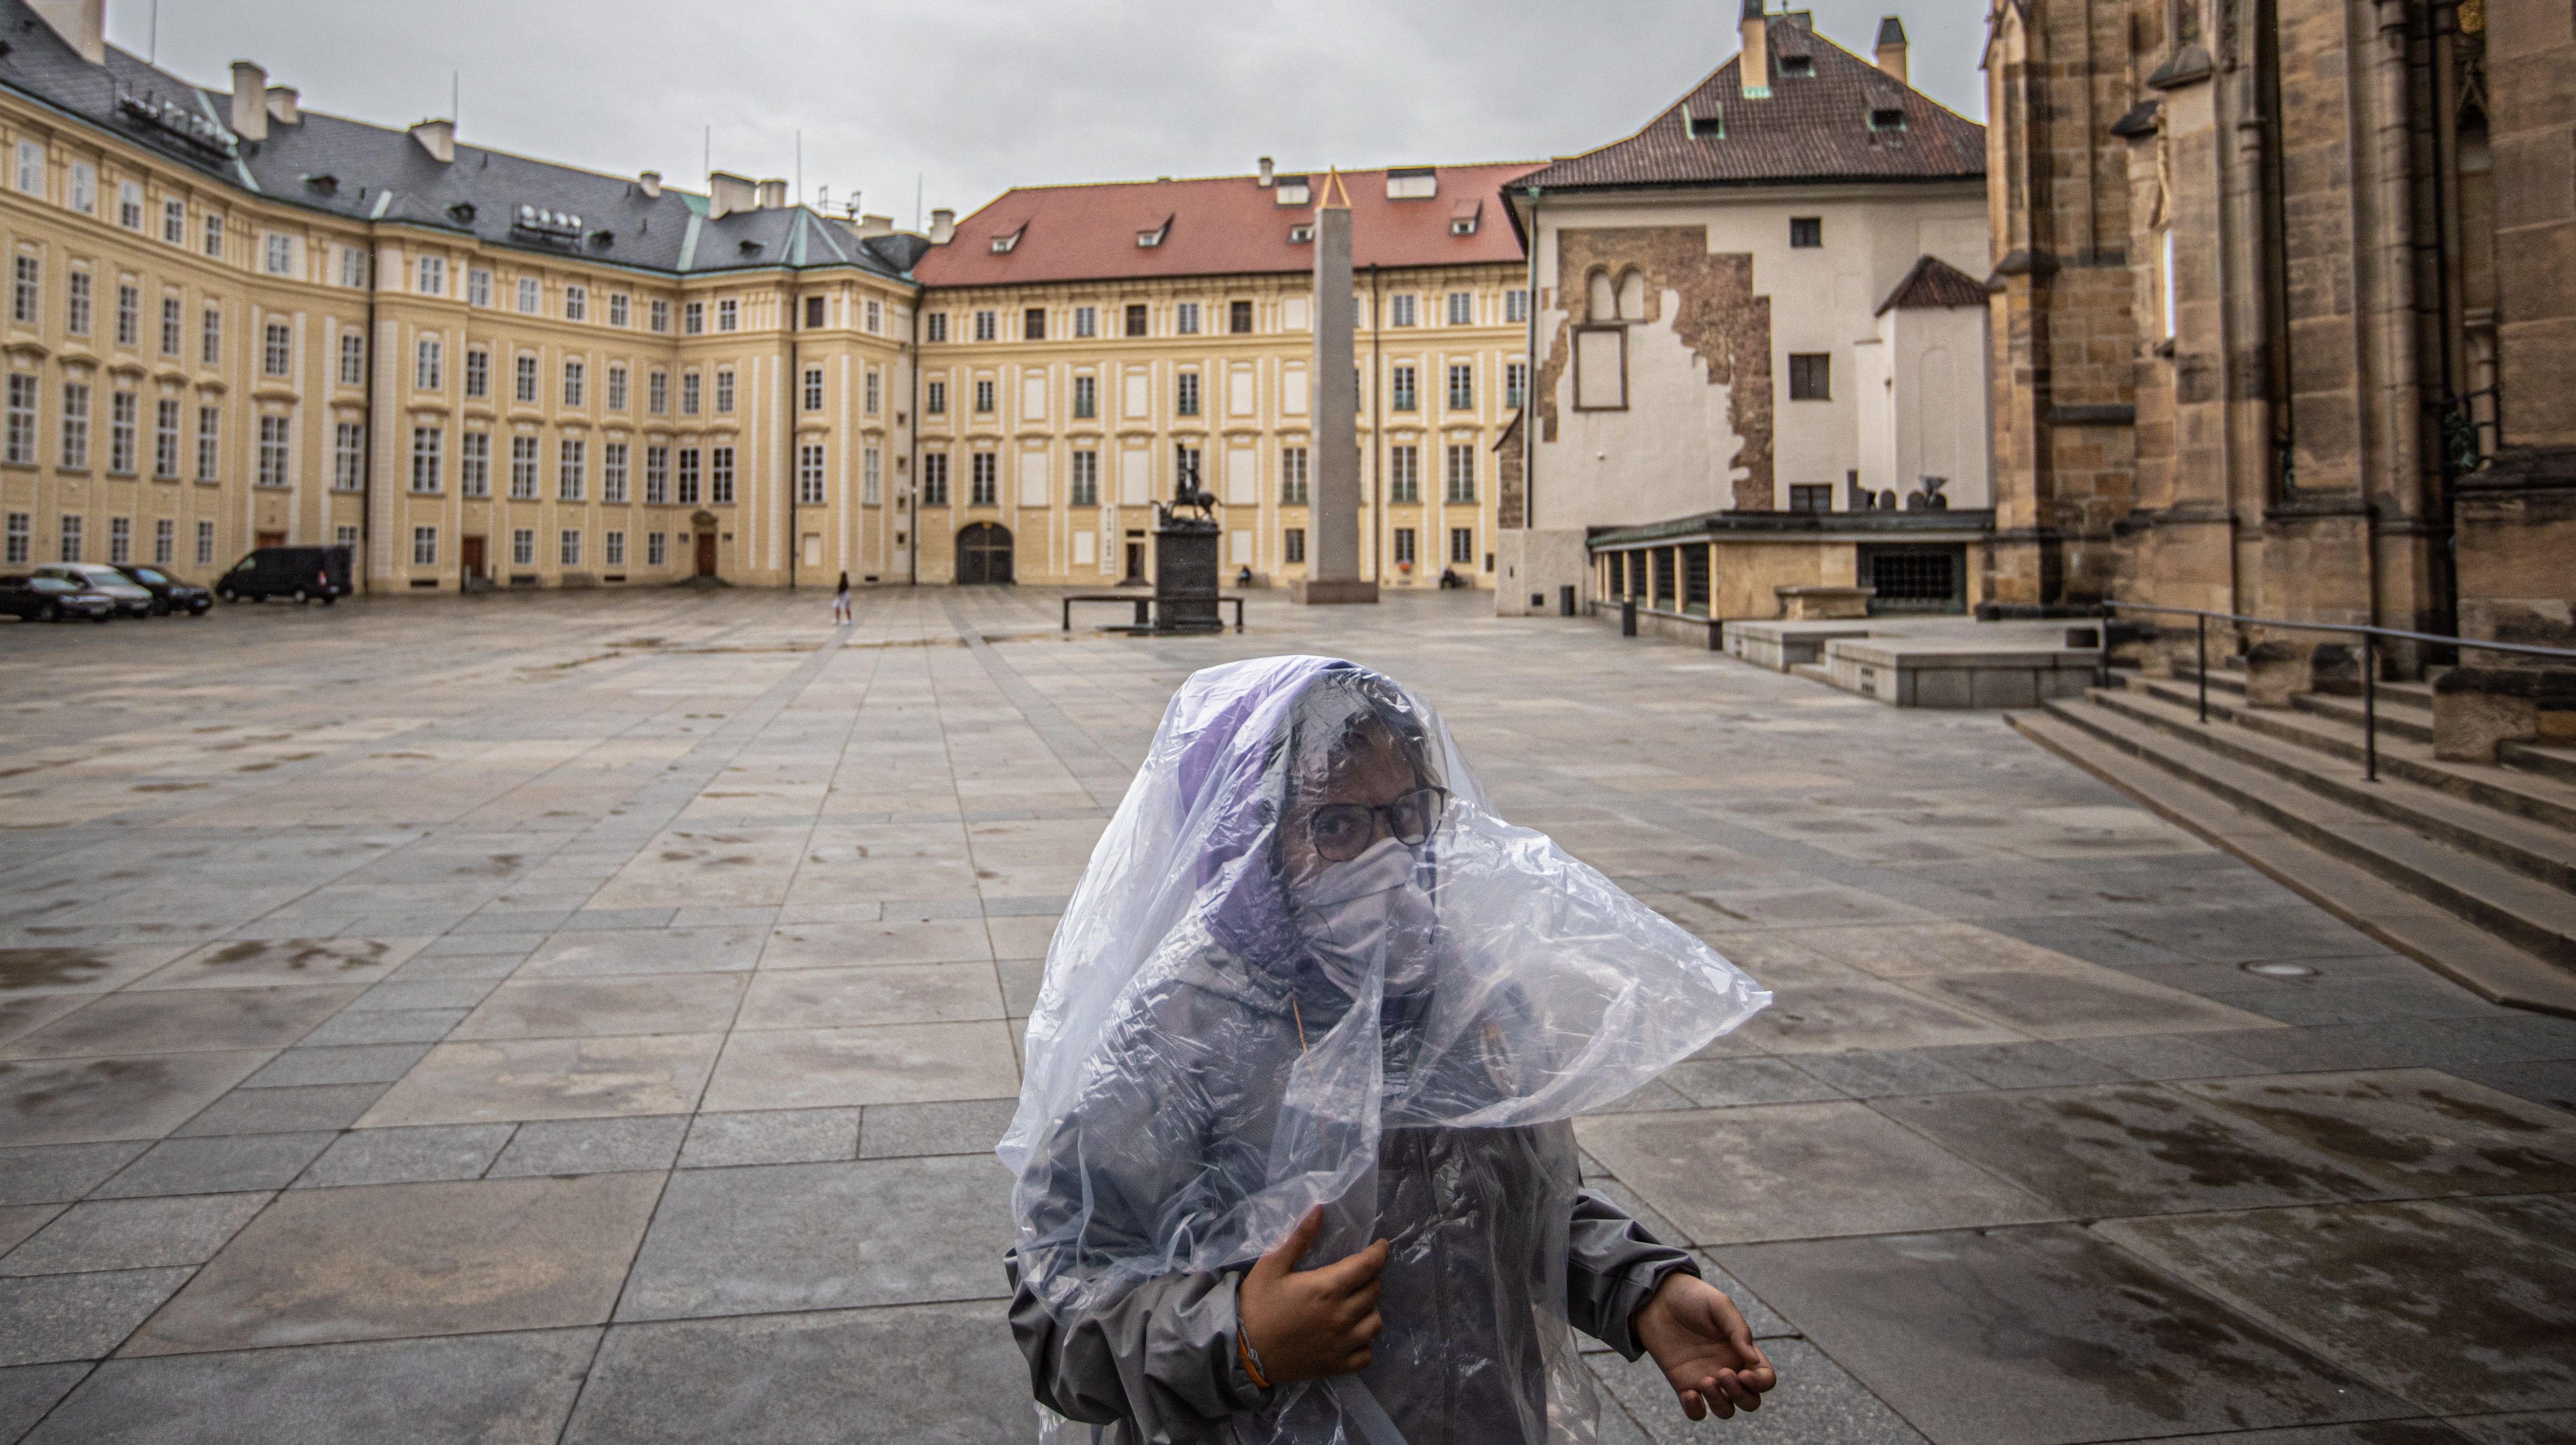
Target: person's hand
<point>1707,1353</point>
<point>1306,1324</point>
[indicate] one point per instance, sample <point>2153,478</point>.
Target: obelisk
<point>1333,473</point>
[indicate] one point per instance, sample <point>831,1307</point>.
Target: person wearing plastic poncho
<point>1308,967</point>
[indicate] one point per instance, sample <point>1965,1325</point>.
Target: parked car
<point>304,573</point>
<point>98,577</point>
<point>169,594</point>
<point>51,599</point>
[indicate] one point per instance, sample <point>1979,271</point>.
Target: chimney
<point>438,137</point>
<point>1755,70</point>
<point>281,105</point>
<point>943,227</point>
<point>1891,48</point>
<point>81,23</point>
<point>651,181</point>
<point>1265,173</point>
<point>875,226</point>
<point>250,101</point>
<point>773,194</point>
<point>728,193</point>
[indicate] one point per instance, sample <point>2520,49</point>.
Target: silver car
<point>106,581</point>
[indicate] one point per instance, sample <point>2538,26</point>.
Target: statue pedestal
<point>1321,591</point>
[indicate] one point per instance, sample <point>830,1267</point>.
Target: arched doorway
<point>983,554</point>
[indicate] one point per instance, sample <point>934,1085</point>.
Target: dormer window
<point>1711,126</point>
<point>1416,183</point>
<point>1301,235</point>
<point>1292,191</point>
<point>1887,117</point>
<point>1002,244</point>
<point>1797,66</point>
<point>1463,217</point>
<point>1148,240</point>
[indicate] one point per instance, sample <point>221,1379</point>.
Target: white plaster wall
<point>1941,402</point>
<point>1668,455</point>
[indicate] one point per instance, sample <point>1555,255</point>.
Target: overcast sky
<point>967,98</point>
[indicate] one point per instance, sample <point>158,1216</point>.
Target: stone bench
<point>1960,672</point>
<point>1823,604</point>
<point>1780,646</point>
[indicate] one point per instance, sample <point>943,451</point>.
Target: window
<point>1086,321</point>
<point>573,383</point>
<point>983,486</point>
<point>528,295</point>
<point>874,389</point>
<point>523,547</point>
<point>432,276</point>
<point>728,315</point>
<point>1806,231</point>
<point>353,359</point>
<point>205,544</point>
<point>523,469</point>
<point>1404,474</point>
<point>875,315</point>
<point>174,221</point>
<point>1515,383</point>
<point>120,540</point>
<point>572,467</point>
<point>813,388</point>
<point>1185,402</point>
<point>474,464</point>
<point>524,378</point>
<point>1185,318</point>
<point>276,358</point>
<point>1136,320</point>
<point>424,546</point>
<point>724,392</point>
<point>426,468</point>
<point>613,549</point>
<point>570,547</point>
<point>26,293</point>
<point>478,287</point>
<point>934,398</point>
<point>165,439</point>
<point>693,318</point>
<point>870,466</point>
<point>935,326</point>
<point>71,539</point>
<point>1462,386</point>
<point>984,326</point>
<point>656,548</point>
<point>214,237</point>
<point>660,315</point>
<point>1462,308</point>
<point>1086,397</point>
<point>22,418</point>
<point>75,450</point>
<point>210,340</point>
<point>1085,482</point>
<point>1399,310</point>
<point>688,476</point>
<point>165,538</point>
<point>1811,497</point>
<point>657,393</point>
<point>353,268</point>
<point>983,394</point>
<point>1811,376</point>
<point>21,526</point>
<point>657,476</point>
<point>169,326</point>
<point>31,168</point>
<point>1462,473</point>
<point>617,388</point>
<point>210,438</point>
<point>576,303</point>
<point>129,205</point>
<point>1462,546</point>
<point>425,365</point>
<point>123,407</point>
<point>1033,324</point>
<point>719,475</point>
<point>1404,546</point>
<point>129,315</point>
<point>272,451</point>
<point>1292,476</point>
<point>1292,544</point>
<point>934,480</point>
<point>478,373</point>
<point>1516,305</point>
<point>1405,394</point>
<point>84,188</point>
<point>278,255</point>
<point>1238,318</point>
<point>76,303</point>
<point>612,473</point>
<point>809,475</point>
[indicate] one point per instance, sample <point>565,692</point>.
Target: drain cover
<point>2280,970</point>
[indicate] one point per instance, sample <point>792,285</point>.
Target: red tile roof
<point>1810,128</point>
<point>1933,282</point>
<point>1218,226</point>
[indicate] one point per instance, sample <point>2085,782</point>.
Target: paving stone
<point>822,1236</point>
<point>2095,1002</point>
<point>1869,1075</point>
<point>894,1064</point>
<point>459,967</point>
<point>552,1008</point>
<point>772,1136</point>
<point>964,1126</point>
<point>633,951</point>
<point>184,1021</point>
<point>2540,1427</point>
<point>82,1101</point>
<point>50,1317</point>
<point>1655,1095</point>
<point>283,1111</point>
<point>28,1391</point>
<point>255,962</point>
<point>493,1389</point>
<point>443,994</point>
<point>1815,1403</point>
<point>2157,1057</point>
<point>60,1172</point>
<point>387,1026</point>
<point>550,1079</point>
<point>397,1260</point>
<point>356,1064</point>
<point>1867,1014</point>
<point>935,1372</point>
<point>229,1165</point>
<point>17,1221</point>
<point>2041,1335</point>
<point>1718,1083</point>
<point>2363,1432</point>
<point>894,941</point>
<point>134,1234</point>
<point>886,994</point>
<point>592,1146</point>
<point>407,1156</point>
<point>2414,1130</point>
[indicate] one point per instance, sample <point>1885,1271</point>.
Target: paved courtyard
<point>587,1017</point>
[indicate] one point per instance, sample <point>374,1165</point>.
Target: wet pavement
<point>586,1017</point>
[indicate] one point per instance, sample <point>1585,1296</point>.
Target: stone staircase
<point>2468,868</point>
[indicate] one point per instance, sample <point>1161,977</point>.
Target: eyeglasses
<point>1343,831</point>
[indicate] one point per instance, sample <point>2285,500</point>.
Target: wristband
<point>1251,1359</point>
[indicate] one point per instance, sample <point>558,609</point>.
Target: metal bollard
<point>1565,602</point>
<point>1627,617</point>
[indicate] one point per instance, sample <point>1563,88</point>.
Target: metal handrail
<point>2369,665</point>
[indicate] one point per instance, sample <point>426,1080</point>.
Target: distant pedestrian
<point>841,602</point>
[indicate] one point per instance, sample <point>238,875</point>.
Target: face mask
<point>1373,907</point>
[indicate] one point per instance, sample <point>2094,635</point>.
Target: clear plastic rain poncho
<point>1261,1000</point>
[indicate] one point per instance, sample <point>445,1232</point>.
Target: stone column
<point>1333,511</point>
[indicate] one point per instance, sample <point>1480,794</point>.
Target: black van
<point>303,573</point>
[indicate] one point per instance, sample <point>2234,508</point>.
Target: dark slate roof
<point>1933,282</point>
<point>1810,128</point>
<point>379,173</point>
